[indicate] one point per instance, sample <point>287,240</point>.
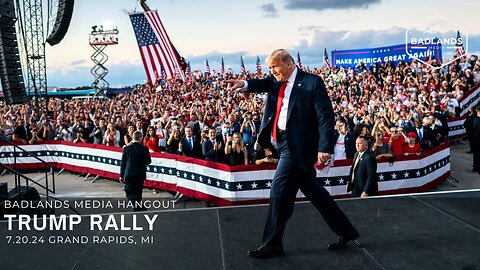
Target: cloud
<point>311,50</point>
<point>126,11</point>
<point>310,47</point>
<point>269,10</point>
<point>328,4</point>
<point>118,75</point>
<point>77,62</point>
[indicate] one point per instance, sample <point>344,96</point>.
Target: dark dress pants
<point>134,189</point>
<point>288,179</point>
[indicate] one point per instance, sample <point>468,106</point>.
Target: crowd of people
<point>403,108</point>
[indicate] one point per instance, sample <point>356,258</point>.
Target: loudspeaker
<point>62,22</point>
<point>10,66</point>
<point>8,8</point>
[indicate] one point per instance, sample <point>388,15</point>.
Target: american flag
<point>222,67</point>
<point>259,66</point>
<point>163,73</point>
<point>459,46</point>
<point>156,49</point>
<point>242,66</point>
<point>326,62</point>
<point>299,61</point>
<point>188,71</point>
<point>207,67</point>
<point>177,73</point>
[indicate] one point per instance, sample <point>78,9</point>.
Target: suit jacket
<point>365,175</point>
<point>211,154</point>
<point>428,136</point>
<point>135,158</point>
<point>476,133</point>
<point>187,151</point>
<point>310,117</point>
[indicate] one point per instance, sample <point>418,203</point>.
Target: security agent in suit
<point>362,180</point>
<point>303,134</point>
<point>133,170</point>
<point>476,141</point>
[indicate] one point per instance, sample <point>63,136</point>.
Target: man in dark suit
<point>133,170</point>
<point>362,180</point>
<point>190,145</point>
<point>476,141</point>
<point>299,120</point>
<point>213,147</point>
<point>425,134</point>
<point>468,124</point>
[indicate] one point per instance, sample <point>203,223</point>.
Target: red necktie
<point>281,94</point>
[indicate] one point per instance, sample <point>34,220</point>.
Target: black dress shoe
<point>343,240</point>
<point>266,251</point>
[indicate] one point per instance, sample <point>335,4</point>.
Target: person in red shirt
<point>411,146</point>
<point>151,140</point>
<point>397,138</point>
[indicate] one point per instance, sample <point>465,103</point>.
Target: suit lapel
<point>297,86</point>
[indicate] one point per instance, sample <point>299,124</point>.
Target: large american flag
<point>242,66</point>
<point>259,65</point>
<point>459,46</point>
<point>156,49</point>
<point>326,62</point>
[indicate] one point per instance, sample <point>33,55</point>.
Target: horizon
<point>211,30</point>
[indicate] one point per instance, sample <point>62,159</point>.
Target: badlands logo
<point>441,37</point>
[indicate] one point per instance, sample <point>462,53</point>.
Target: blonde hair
<point>241,139</point>
<point>280,54</point>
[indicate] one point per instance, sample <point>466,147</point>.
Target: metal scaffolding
<point>99,39</point>
<point>34,42</point>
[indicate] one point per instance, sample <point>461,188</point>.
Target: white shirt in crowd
<point>339,150</point>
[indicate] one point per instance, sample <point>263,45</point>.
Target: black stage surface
<point>429,231</point>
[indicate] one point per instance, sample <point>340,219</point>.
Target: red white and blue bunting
<point>224,185</point>
<point>470,100</point>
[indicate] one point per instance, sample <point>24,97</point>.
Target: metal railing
<point>19,176</point>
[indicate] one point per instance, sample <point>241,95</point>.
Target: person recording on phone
<point>299,121</point>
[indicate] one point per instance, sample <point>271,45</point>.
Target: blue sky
<point>213,29</point>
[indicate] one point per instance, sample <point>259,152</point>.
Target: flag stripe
<point>148,62</point>
<point>145,66</point>
<point>164,59</point>
<point>157,59</point>
<point>166,49</point>
<point>162,28</point>
<point>168,65</point>
<point>173,56</point>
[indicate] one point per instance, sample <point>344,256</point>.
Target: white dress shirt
<point>282,118</point>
